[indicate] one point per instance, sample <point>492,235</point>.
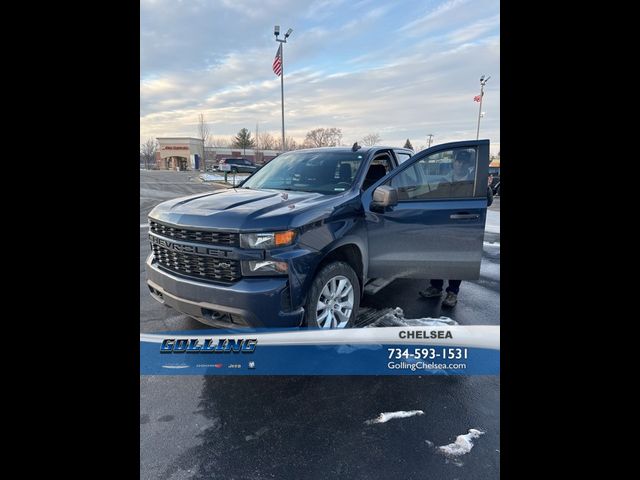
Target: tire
<point>498,191</point>
<point>333,279</point>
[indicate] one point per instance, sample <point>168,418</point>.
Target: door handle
<point>464,216</point>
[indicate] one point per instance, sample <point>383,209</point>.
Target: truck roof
<point>349,149</point>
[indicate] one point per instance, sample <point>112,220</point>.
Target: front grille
<point>198,236</point>
<point>199,267</point>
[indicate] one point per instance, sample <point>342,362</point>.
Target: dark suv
<point>296,243</point>
<point>494,177</point>
<point>238,165</point>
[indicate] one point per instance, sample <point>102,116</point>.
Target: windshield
<point>322,172</point>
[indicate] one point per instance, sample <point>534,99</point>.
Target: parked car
<point>296,243</point>
<point>494,176</point>
<point>239,165</point>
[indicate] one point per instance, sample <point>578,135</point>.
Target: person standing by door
<point>462,183</point>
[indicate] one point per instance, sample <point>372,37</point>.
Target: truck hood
<point>247,210</point>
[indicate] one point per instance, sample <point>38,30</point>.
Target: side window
<point>380,166</point>
<point>383,160</point>
<point>402,157</point>
<point>446,174</point>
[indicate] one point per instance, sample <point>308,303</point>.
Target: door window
<point>402,157</point>
<point>445,174</point>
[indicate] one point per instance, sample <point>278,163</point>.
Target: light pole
<point>278,68</point>
<point>483,82</point>
<point>430,137</point>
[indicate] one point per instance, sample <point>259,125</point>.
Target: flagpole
<point>479,111</point>
<point>282,90</point>
<point>276,32</point>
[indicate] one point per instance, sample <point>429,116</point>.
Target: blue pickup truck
<point>297,242</point>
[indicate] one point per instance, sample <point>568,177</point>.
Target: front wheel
<point>334,297</point>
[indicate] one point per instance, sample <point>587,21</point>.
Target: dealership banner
<point>442,350</point>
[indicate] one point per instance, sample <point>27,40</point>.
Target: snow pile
<point>461,446</point>
<point>386,416</point>
<point>395,318</point>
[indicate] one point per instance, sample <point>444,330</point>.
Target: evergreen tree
<point>407,144</point>
<point>243,140</point>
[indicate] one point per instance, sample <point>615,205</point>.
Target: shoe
<point>450,300</point>
<point>430,292</point>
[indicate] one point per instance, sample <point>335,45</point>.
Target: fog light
<point>266,267</point>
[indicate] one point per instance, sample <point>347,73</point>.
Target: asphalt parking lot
<point>314,427</point>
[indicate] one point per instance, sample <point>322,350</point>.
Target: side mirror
<point>384,196</point>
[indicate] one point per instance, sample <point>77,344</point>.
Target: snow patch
<point>207,177</point>
<point>461,446</point>
<point>386,416</point>
<point>395,318</point>
<point>490,270</point>
<point>257,434</point>
<point>492,224</point>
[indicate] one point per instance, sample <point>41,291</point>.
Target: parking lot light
<point>483,82</point>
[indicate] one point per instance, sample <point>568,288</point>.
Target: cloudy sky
<point>402,69</point>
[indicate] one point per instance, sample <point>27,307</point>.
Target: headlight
<point>267,240</point>
<point>264,267</point>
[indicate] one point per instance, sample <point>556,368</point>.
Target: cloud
<point>474,31</point>
<point>450,15</point>
<point>406,85</point>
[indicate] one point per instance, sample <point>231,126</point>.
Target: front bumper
<point>250,302</point>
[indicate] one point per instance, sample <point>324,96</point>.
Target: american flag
<point>277,62</point>
<point>477,98</point>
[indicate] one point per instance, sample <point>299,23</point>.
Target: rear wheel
<point>334,297</point>
<point>234,170</point>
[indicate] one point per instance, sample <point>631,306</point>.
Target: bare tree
<point>266,141</point>
<point>205,135</point>
<point>371,139</point>
<point>210,152</point>
<point>221,142</point>
<point>148,151</point>
<point>323,137</point>
<point>290,144</point>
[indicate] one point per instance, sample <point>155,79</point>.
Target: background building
<point>179,153</point>
<point>185,153</point>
